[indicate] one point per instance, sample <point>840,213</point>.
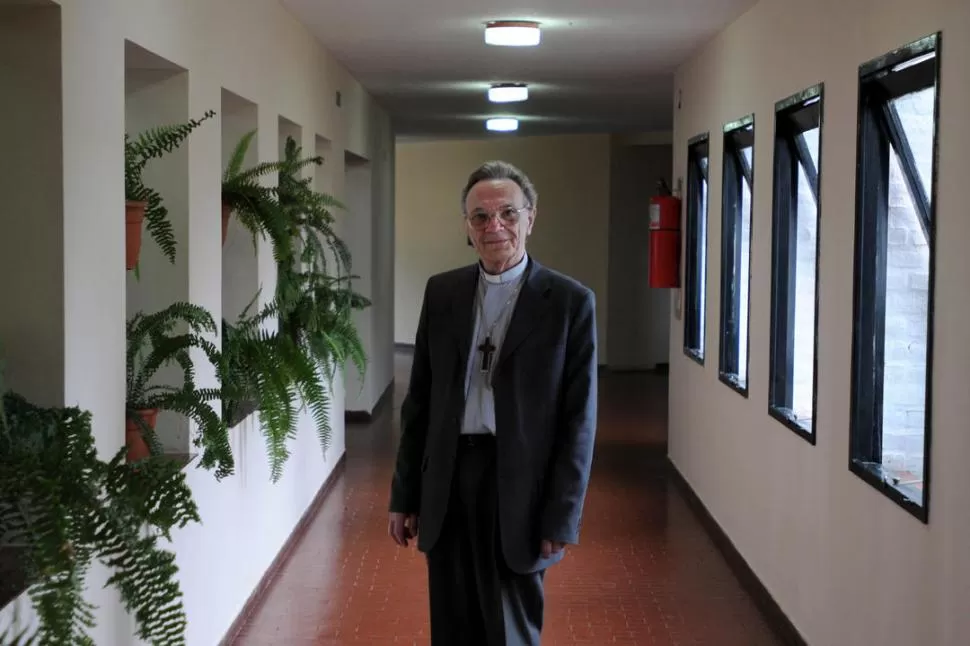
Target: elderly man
<point>498,424</point>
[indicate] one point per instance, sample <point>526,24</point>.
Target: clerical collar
<point>508,275</point>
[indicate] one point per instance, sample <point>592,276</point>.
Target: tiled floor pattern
<point>645,574</point>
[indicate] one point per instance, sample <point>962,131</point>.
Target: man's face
<point>498,219</point>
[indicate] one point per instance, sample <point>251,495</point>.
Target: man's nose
<point>494,223</point>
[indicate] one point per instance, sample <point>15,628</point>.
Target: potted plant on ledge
<point>143,203</point>
<point>61,508</point>
<point>154,343</point>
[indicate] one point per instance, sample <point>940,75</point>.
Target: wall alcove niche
<point>290,130</point>
<point>240,270</point>
<point>362,392</point>
<point>157,94</point>
<point>31,234</point>
<point>324,181</point>
<point>323,175</point>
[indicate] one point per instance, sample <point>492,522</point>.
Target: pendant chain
<point>486,349</point>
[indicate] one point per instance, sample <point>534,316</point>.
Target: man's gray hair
<point>500,170</point>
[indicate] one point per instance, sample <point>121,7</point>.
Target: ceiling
<point>603,66</point>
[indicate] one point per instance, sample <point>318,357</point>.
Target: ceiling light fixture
<point>512,33</point>
<point>502,124</point>
<point>508,93</point>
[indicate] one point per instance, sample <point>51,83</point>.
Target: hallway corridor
<point>645,574</point>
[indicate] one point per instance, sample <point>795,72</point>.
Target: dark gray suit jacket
<point>545,410</point>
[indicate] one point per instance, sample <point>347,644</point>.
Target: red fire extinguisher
<point>664,267</point>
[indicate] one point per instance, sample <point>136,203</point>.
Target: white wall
<point>256,50</point>
<point>246,520</point>
<point>848,565</point>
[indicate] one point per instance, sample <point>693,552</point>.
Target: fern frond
<point>238,156</point>
<point>69,507</point>
<point>148,145</point>
<point>158,225</point>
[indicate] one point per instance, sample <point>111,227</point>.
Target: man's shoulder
<point>450,278</point>
<point>566,285</point>
<point>440,288</point>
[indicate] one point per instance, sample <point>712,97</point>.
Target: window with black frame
<point>892,343</point>
<point>736,252</point>
<point>794,261</point>
<point>695,283</point>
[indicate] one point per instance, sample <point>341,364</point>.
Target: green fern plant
<point>61,507</point>
<point>287,215</point>
<point>308,211</point>
<point>268,371</point>
<point>153,144</point>
<point>245,197</point>
<point>167,337</point>
<point>278,369</point>
<point>315,298</point>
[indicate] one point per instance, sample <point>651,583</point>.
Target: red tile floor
<point>646,572</point>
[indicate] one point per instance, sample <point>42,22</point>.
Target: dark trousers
<point>476,600</point>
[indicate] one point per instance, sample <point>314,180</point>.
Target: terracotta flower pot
<point>137,446</point>
<point>134,216</point>
<point>226,212</point>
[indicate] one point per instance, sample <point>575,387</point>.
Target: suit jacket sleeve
<point>573,452</point>
<point>415,413</point>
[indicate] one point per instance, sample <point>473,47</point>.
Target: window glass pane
<point>696,260</point>
<point>702,261</point>
<point>907,307</point>
<point>915,113</point>
<point>735,257</point>
<point>806,235</point>
<point>810,137</point>
<point>741,279</point>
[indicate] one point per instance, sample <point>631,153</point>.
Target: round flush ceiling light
<point>508,93</point>
<point>502,124</point>
<point>512,33</point>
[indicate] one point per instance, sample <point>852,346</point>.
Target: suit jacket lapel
<point>463,311</point>
<point>529,311</point>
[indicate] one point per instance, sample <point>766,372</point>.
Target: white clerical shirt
<point>498,289</point>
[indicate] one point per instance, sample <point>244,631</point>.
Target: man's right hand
<point>402,527</point>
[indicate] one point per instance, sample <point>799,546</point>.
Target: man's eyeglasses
<point>507,215</point>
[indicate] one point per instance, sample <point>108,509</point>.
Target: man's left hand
<point>548,548</point>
